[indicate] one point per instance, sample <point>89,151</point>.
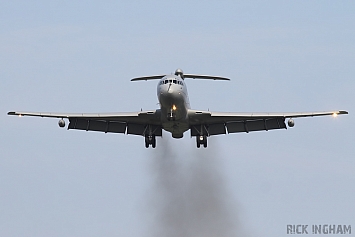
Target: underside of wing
<point>214,123</point>
<point>136,123</point>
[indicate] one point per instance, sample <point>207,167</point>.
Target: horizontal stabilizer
<point>183,76</point>
<point>148,78</point>
<point>194,76</point>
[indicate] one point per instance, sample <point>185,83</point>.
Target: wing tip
<point>11,113</point>
<point>343,112</point>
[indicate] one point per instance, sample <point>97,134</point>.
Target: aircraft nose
<point>170,94</point>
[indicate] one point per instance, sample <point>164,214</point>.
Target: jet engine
<point>180,73</point>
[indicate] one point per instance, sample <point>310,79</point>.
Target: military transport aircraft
<point>176,116</point>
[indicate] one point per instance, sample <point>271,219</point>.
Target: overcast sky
<point>282,56</point>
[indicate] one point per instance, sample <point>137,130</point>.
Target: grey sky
<point>288,56</point>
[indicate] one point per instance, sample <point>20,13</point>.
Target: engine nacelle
<point>180,73</point>
<point>61,123</point>
<point>291,123</point>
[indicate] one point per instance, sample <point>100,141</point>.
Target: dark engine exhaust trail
<point>189,195</point>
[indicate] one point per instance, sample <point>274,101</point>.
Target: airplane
<point>176,116</point>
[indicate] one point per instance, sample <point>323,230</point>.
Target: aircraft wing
<point>137,123</point>
<point>214,123</point>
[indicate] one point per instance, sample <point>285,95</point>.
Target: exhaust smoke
<point>189,196</point>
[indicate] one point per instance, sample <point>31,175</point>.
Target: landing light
<point>174,107</point>
<point>335,115</point>
<point>20,115</point>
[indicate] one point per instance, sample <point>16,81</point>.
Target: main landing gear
<point>201,140</point>
<point>150,140</point>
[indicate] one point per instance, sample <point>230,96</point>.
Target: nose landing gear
<point>201,140</point>
<point>171,115</point>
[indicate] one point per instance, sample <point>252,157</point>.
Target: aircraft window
<point>174,81</point>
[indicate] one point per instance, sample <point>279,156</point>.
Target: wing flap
<point>216,129</point>
<point>209,129</point>
<point>114,127</point>
<point>135,129</point>
<point>97,125</point>
<point>256,125</point>
<point>238,126</point>
<point>143,129</point>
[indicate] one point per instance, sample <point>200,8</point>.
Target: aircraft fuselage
<point>174,104</point>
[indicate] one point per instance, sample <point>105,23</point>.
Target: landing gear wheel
<point>150,140</point>
<point>153,141</point>
<point>146,142</point>
<point>201,140</point>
